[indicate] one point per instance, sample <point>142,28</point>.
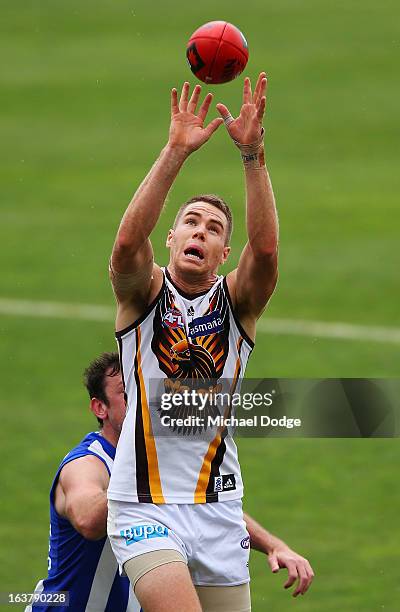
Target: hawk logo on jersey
<point>197,353</point>
<point>191,361</point>
<point>180,353</point>
<point>209,333</point>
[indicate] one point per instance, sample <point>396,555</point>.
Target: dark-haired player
<point>80,559</point>
<point>175,515</point>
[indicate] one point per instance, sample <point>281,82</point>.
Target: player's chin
<point>194,268</point>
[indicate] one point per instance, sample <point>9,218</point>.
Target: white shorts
<point>212,537</point>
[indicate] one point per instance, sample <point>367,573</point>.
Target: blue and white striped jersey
<point>86,569</point>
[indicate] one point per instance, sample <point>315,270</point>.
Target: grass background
<point>84,111</point>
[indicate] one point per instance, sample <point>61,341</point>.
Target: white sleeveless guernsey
<point>179,336</point>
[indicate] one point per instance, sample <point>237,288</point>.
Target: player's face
<point>116,409</point>
<point>197,243</point>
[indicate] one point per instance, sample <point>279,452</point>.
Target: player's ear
<point>225,254</point>
<point>170,237</point>
<point>98,408</point>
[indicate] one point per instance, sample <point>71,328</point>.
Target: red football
<point>217,52</point>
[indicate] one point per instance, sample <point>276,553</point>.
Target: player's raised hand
<point>247,127</point>
<point>187,131</point>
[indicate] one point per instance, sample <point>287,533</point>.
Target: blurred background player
<point>186,322</point>
<point>80,558</point>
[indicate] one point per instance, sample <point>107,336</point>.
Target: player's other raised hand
<point>247,127</point>
<point>187,131</point>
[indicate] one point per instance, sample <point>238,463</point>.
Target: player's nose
<point>199,233</point>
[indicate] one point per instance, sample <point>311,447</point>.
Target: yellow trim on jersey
<point>238,365</point>
<point>204,476</point>
<point>151,451</point>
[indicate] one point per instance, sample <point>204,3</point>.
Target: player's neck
<point>191,284</point>
<point>110,435</point>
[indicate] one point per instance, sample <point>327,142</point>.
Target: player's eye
<point>215,229</point>
<point>190,221</point>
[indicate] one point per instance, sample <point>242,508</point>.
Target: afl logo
<point>245,543</point>
<point>173,318</point>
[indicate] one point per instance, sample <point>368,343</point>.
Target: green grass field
<point>84,112</point>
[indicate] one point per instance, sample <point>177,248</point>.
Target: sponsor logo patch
<point>245,543</point>
<point>173,318</point>
<point>218,484</point>
<point>226,482</point>
<point>143,532</point>
<point>204,326</point>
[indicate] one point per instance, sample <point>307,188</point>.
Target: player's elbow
<point>94,533</point>
<point>91,526</point>
<point>91,529</point>
<point>266,256</point>
<point>130,239</point>
<point>266,251</point>
<point>124,244</point>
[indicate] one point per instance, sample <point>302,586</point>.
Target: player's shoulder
<point>133,310</point>
<point>91,449</point>
<point>83,445</point>
<point>83,471</point>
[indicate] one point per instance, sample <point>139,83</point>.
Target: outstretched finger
<point>303,582</point>
<point>260,87</point>
<point>174,102</point>
<point>307,586</point>
<point>203,110</point>
<point>247,98</point>
<point>292,574</point>
<point>261,108</point>
<point>213,126</point>
<point>223,110</point>
<point>273,563</point>
<point>225,113</point>
<point>310,575</point>
<point>183,102</point>
<point>194,99</point>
